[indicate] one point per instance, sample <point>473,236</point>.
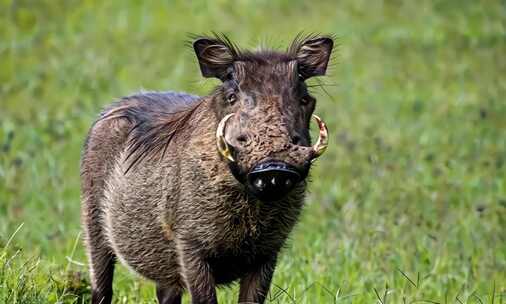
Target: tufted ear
<point>313,55</point>
<point>215,56</point>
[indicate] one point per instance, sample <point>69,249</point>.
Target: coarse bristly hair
<point>263,55</point>
<point>154,121</point>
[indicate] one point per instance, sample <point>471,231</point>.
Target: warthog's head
<point>264,110</point>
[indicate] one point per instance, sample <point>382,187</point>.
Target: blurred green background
<point>409,202</point>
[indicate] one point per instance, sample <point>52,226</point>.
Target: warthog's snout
<point>270,166</point>
<point>272,180</point>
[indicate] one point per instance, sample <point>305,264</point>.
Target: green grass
<point>409,202</point>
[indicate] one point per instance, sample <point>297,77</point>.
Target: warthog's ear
<point>215,56</point>
<point>312,55</point>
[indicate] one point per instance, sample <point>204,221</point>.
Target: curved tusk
<point>323,141</point>
<point>221,142</point>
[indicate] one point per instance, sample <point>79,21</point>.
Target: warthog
<point>195,192</point>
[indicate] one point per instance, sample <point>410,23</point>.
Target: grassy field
<point>408,204</point>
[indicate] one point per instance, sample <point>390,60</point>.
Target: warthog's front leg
<point>255,285</point>
<point>197,275</point>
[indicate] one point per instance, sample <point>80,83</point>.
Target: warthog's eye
<point>231,98</point>
<point>307,99</point>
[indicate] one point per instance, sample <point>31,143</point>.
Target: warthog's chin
<point>273,180</point>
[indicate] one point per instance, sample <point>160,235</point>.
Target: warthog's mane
<point>156,118</point>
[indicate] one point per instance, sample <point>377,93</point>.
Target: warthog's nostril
<point>259,183</point>
<point>288,183</point>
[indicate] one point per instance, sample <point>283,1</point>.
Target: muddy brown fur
<point>157,196</point>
